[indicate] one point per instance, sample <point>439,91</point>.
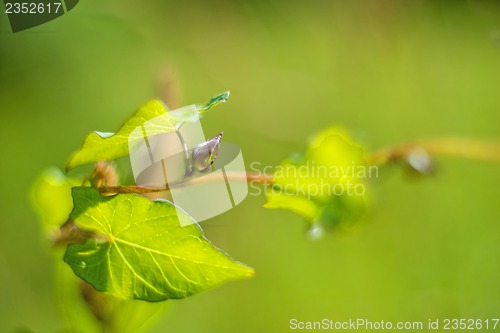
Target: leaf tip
<point>246,272</point>
<point>216,100</point>
<point>250,272</point>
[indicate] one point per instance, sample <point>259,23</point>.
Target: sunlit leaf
<point>108,146</point>
<point>326,185</point>
<point>142,251</point>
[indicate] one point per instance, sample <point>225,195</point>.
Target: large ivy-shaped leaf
<point>323,185</point>
<point>142,252</point>
<point>108,146</point>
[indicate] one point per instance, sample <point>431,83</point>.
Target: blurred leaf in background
<point>326,185</point>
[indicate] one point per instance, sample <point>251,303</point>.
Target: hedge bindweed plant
<point>125,248</point>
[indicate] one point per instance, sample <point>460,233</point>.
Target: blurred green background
<point>389,71</point>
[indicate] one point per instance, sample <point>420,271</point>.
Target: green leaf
<point>107,146</point>
<point>51,196</point>
<point>142,251</point>
<point>221,98</point>
<point>326,185</point>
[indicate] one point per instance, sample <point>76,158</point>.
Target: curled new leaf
<point>326,185</point>
<point>142,252</point>
<point>216,100</point>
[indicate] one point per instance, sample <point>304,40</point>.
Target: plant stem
<point>70,233</point>
<point>456,147</point>
<point>213,177</point>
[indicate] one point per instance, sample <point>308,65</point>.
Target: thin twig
<point>213,177</point>
<point>455,147</point>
